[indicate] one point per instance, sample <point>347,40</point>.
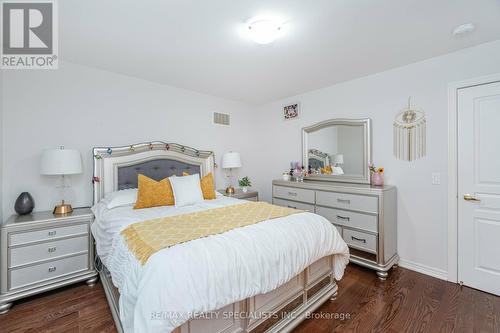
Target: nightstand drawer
<point>349,219</point>
<point>362,203</point>
<point>47,234</point>
<point>293,204</point>
<point>360,240</point>
<point>295,194</point>
<point>46,271</point>
<point>33,253</point>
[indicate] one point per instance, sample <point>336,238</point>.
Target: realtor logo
<point>29,35</point>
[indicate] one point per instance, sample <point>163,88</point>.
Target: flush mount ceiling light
<point>463,29</point>
<point>264,31</point>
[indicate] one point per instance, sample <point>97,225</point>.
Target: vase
<point>377,179</point>
<point>24,204</point>
<point>244,189</point>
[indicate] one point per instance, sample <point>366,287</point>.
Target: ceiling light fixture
<point>463,29</point>
<point>264,31</point>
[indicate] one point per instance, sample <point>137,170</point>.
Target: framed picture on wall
<point>291,111</point>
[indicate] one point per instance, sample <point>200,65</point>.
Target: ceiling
<point>197,45</point>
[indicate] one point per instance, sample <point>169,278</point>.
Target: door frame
<point>453,89</point>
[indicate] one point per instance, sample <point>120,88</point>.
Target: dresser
<point>41,251</point>
<point>364,215</point>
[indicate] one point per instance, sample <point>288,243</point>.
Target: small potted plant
<point>244,183</point>
<point>377,175</point>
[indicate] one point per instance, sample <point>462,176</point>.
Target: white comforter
<point>209,273</point>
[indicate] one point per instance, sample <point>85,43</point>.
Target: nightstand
<point>239,194</point>
<point>41,251</point>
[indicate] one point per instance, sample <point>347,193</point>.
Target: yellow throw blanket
<point>148,237</point>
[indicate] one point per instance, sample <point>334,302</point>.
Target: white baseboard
<point>424,269</point>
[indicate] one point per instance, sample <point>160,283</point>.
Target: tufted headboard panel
<point>116,168</point>
<point>156,169</point>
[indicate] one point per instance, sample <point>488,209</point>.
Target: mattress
<point>207,274</point>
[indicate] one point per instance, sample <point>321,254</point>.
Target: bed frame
<point>280,310</point>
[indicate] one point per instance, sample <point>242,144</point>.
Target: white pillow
<point>187,190</point>
<point>121,198</point>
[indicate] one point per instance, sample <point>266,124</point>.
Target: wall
<point>1,143</point>
<point>422,213</point>
<point>81,107</point>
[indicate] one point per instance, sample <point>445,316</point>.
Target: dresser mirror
<point>338,150</point>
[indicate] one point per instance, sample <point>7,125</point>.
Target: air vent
<point>221,119</point>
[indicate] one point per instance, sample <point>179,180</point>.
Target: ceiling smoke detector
<point>463,29</point>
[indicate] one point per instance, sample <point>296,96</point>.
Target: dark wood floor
<point>406,302</point>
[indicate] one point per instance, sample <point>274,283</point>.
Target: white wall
<point>422,213</point>
<point>81,107</point>
<point>1,143</point>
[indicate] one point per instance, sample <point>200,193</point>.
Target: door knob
<point>469,197</point>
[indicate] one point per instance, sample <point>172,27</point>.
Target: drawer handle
<point>347,201</point>
<point>345,218</point>
<point>293,194</point>
<point>52,233</point>
<point>358,239</point>
<point>291,207</point>
<point>52,269</point>
<point>52,249</point>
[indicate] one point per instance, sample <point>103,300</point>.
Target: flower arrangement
<point>377,177</point>
<point>373,169</point>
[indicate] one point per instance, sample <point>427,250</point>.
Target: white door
<point>479,187</point>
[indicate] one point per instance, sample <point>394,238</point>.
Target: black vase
<point>24,204</point>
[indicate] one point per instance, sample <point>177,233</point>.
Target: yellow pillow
<point>208,187</point>
<point>152,193</point>
<point>184,173</point>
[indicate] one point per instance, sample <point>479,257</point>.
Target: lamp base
<point>62,209</point>
<point>230,190</point>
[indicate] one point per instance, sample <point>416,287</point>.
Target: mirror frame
<point>367,149</point>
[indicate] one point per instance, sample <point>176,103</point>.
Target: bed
<point>264,277</point>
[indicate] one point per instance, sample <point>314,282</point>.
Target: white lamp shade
<point>60,162</point>
<point>338,159</point>
<point>231,160</point>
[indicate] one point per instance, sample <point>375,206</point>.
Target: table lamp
<point>61,162</point>
<point>337,160</point>
<point>230,161</point>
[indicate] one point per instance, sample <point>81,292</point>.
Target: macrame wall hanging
<point>409,134</point>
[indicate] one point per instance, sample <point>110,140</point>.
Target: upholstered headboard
<point>156,169</point>
<point>116,168</point>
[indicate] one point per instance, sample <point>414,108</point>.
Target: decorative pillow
<point>208,187</point>
<point>184,173</point>
<point>187,190</point>
<point>152,193</point>
<point>121,198</point>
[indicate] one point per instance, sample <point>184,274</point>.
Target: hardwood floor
<point>406,302</point>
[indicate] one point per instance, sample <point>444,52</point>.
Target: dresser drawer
<point>293,204</point>
<point>48,250</point>
<point>38,273</point>
<point>47,234</point>
<point>349,219</point>
<point>362,203</point>
<point>360,240</point>
<point>296,194</point>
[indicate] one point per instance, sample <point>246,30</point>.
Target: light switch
<point>436,178</point>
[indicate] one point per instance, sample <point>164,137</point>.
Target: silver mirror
<point>338,150</point>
